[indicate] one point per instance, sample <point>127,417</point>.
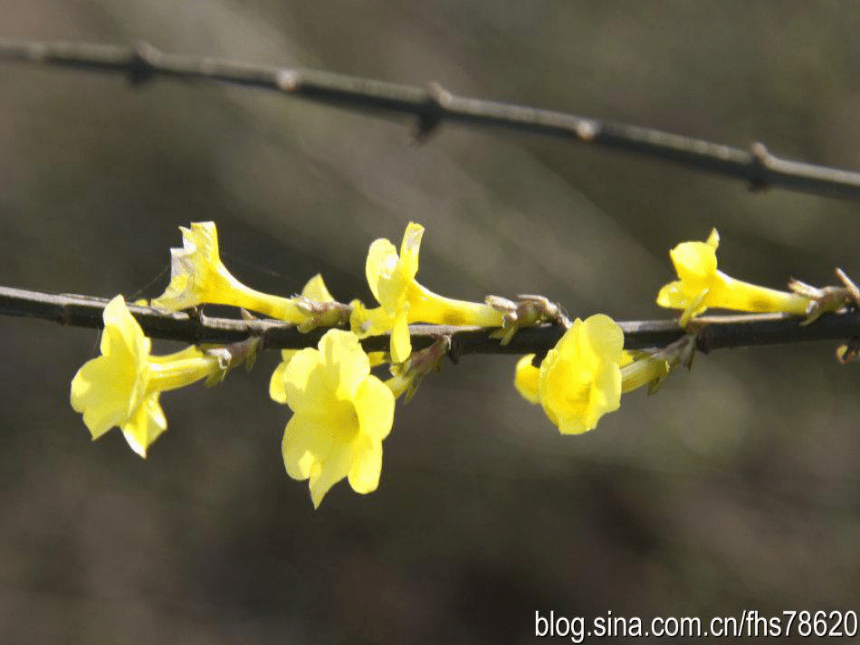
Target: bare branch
<point>759,168</point>
<point>714,332</point>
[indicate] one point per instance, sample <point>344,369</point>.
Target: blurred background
<point>735,487</point>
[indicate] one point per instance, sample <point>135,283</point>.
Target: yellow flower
<point>341,414</point>
<point>315,290</point>
<point>527,377</point>
<point>121,387</point>
<point>197,276</point>
<point>702,285</point>
<point>403,300</point>
<point>580,378</point>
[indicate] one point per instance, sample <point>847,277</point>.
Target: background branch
<point>756,166</point>
<point>714,331</point>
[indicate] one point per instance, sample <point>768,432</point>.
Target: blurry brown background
<point>736,487</point>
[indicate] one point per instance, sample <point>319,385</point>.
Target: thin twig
<point>714,331</point>
<point>759,168</point>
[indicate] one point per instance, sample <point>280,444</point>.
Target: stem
<point>713,332</point>
<point>758,167</point>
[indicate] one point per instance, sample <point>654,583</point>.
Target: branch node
<point>760,164</point>
<point>287,80</point>
<point>586,130</point>
<point>38,53</point>
<point>705,339</point>
<point>438,98</point>
<point>142,66</point>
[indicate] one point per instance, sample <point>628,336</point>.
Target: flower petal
<point>713,239</point>
<point>605,395</point>
<point>122,333</point>
<point>401,344</point>
<point>366,466</point>
<point>374,406</point>
<point>307,442</point>
<point>146,425</point>
<point>694,260</point>
<point>409,250</point>
<point>381,264</point>
<point>334,468</point>
<point>526,378</point>
<point>672,296</point>
<point>304,382</point>
<point>346,364</point>
<point>101,391</point>
<point>580,380</point>
<point>276,384</point>
<point>316,290</point>
<point>603,337</point>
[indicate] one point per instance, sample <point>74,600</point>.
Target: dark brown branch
<point>714,331</point>
<point>757,166</point>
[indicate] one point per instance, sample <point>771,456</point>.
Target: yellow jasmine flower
<point>702,285</point>
<point>341,414</point>
<point>580,378</point>
<point>316,291</point>
<point>197,276</point>
<point>121,387</point>
<point>403,300</point>
<point>527,377</point>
